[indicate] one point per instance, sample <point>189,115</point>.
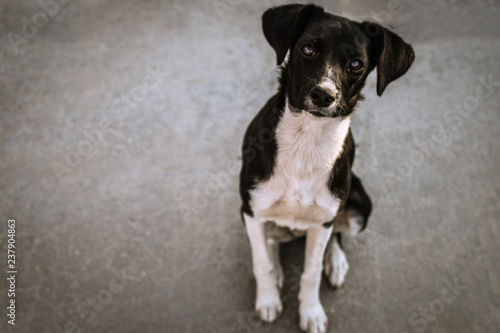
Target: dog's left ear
<point>282,24</point>
<point>390,53</point>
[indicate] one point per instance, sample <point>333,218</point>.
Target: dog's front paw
<point>313,318</point>
<point>336,267</point>
<point>269,308</point>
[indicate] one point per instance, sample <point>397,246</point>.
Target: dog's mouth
<point>333,111</point>
<point>319,114</point>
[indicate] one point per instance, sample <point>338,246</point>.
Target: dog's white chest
<point>297,194</point>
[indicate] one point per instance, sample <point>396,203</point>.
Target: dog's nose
<point>321,97</point>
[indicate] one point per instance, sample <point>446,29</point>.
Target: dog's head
<point>331,56</point>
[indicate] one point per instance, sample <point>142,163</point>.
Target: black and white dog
<point>298,151</point>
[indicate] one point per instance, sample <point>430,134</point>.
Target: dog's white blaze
<point>297,193</point>
<point>329,86</point>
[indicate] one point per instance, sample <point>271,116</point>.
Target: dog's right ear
<point>392,55</point>
<point>282,24</point>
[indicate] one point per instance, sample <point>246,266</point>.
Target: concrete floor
<point>114,233</point>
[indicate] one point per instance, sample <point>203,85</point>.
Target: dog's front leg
<point>267,304</point>
<point>312,315</point>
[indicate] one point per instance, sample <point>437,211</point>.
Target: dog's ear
<point>282,24</point>
<point>390,53</point>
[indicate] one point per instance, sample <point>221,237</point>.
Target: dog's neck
<point>307,144</point>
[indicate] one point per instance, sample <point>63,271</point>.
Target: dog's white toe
<point>269,309</point>
<point>336,266</point>
<point>313,319</point>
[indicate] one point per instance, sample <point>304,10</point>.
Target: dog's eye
<point>308,50</point>
<point>356,65</point>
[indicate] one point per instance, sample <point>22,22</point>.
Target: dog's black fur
<point>319,45</point>
<point>337,40</point>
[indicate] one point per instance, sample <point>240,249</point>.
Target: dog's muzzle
<point>321,102</point>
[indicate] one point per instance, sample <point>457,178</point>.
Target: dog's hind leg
<point>335,263</point>
<point>352,219</point>
<point>273,246</point>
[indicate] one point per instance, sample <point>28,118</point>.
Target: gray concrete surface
<point>126,224</point>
